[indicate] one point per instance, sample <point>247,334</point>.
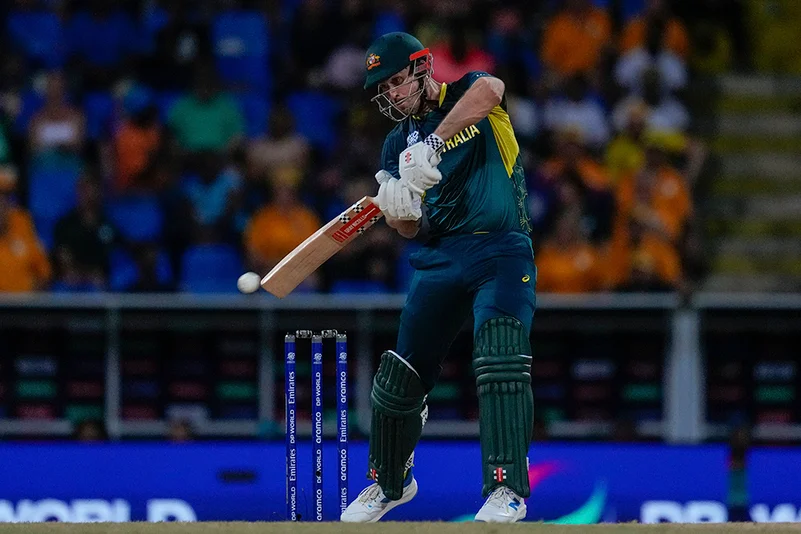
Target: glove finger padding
<point>382,176</point>
<point>423,179</point>
<point>397,201</point>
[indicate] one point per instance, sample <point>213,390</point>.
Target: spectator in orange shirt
<point>23,263</point>
<point>675,36</point>
<point>277,228</point>
<point>640,260</point>
<point>653,209</point>
<point>575,38</point>
<point>570,153</point>
<point>567,262</point>
<point>657,197</point>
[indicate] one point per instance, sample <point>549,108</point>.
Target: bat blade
<point>320,246</point>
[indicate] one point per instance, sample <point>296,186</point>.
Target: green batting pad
<point>397,397</point>
<point>506,403</point>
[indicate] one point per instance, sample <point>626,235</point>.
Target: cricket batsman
<point>452,177</point>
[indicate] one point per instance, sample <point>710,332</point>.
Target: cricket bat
<point>320,246</point>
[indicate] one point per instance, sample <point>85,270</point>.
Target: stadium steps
<point>753,213</point>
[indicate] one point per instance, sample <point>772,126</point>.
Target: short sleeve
<point>391,152</point>
<point>460,86</point>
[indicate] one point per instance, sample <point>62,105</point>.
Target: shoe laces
<point>370,493</point>
<point>502,496</point>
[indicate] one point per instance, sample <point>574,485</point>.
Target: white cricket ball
<point>249,282</point>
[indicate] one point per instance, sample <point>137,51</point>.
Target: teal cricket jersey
<point>483,187</point>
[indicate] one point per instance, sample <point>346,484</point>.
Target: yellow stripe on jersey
<point>442,90</point>
<point>504,137</point>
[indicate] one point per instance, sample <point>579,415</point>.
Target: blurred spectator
<point>13,90</point>
<point>181,431</point>
<point>630,69</point>
<point>575,38</point>
<point>658,195</point>
<point>212,190</point>
<point>137,143</point>
<point>576,109</point>
<point>180,39</point>
<point>83,241</point>
<point>90,431</point>
<point>653,209</point>
<point>278,227</point>
<point>577,180</point>
<point>103,38</point>
<point>281,148</point>
<point>316,28</point>
<point>567,262</point>
<point>626,153</point>
<point>206,119</point>
<point>23,262</point>
<point>344,70</point>
<point>657,12</point>
<point>58,126</point>
<point>459,54</point>
<point>664,112</point>
<point>511,44</point>
<point>152,270</point>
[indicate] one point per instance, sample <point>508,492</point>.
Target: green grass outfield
<point>387,528</point>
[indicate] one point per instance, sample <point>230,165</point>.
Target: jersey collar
<point>442,89</point>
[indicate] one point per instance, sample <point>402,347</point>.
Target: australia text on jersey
<point>461,137</point>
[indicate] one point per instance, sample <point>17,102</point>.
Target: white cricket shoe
<point>503,506</point>
<point>371,504</point>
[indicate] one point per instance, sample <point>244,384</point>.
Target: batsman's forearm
<point>477,102</point>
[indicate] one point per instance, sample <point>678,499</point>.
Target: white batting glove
<point>382,176</point>
<point>418,164</point>
<point>397,201</point>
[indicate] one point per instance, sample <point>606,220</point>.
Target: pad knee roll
<point>398,397</point>
<point>502,366</point>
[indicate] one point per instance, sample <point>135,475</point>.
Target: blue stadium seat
<point>60,286</point>
<point>241,48</point>
<point>99,108</point>
<point>51,194</point>
<point>359,286</point>
<point>38,35</point>
<point>124,273</point>
<point>139,218</point>
<point>255,109</point>
<point>315,115</point>
<point>210,269</point>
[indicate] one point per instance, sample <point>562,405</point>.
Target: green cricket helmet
<point>390,54</point>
